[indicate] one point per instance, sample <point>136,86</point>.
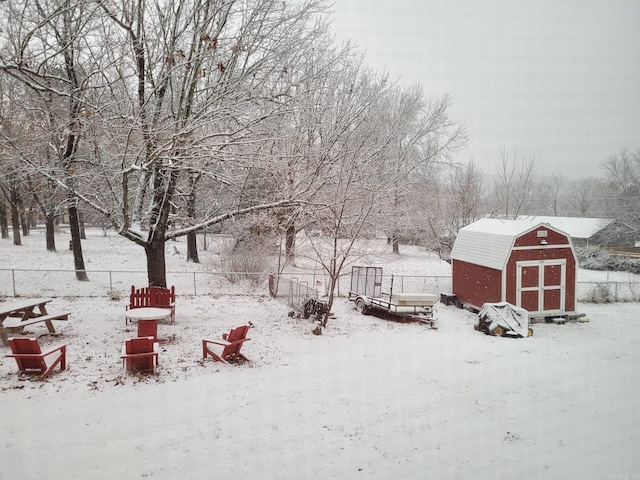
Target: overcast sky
<point>559,79</point>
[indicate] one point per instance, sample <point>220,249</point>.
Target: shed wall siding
<point>531,239</point>
<point>475,284</point>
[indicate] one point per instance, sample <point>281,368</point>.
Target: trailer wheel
<point>361,306</point>
<point>499,331</point>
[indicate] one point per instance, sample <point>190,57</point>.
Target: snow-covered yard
<point>367,399</point>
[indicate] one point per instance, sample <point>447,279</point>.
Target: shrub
<point>596,258</point>
<point>246,260</point>
<point>600,293</point>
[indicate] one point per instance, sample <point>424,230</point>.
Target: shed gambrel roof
<point>488,242</point>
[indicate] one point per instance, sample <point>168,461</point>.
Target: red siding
<point>475,284</point>
<point>531,239</point>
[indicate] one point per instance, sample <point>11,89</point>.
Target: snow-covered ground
<point>367,399</point>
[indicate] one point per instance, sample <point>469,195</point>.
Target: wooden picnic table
<point>16,315</point>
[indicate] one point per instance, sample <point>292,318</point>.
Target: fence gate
<point>290,291</point>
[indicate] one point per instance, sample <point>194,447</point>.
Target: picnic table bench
<point>14,316</point>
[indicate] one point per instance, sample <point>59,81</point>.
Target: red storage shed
<point>530,266</point>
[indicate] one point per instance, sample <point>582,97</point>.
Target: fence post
<point>195,289</point>
<point>13,281</point>
<point>110,281</point>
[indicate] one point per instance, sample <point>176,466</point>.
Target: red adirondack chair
<point>140,354</point>
<point>231,344</point>
<point>148,328</point>
<point>154,297</point>
<point>31,359</point>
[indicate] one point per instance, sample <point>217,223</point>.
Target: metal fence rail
<point>110,283</point>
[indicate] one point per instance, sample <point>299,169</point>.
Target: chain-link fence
<point>608,292</point>
<point>63,283</point>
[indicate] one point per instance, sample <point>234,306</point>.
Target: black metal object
<point>314,308</point>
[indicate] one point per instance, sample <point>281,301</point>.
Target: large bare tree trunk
<point>192,248</point>
<point>4,223</point>
<point>163,191</point>
<point>83,233</point>
<point>24,223</point>
<point>290,241</point>
<point>49,225</point>
<point>395,243</point>
<point>76,245</point>
<point>192,243</point>
<point>156,268</point>
<point>15,223</point>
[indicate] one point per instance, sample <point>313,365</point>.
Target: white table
<point>147,318</point>
<point>147,313</point>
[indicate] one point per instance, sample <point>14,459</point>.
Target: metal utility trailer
<point>366,292</point>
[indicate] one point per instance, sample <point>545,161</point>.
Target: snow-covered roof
<point>575,227</point>
<point>488,241</point>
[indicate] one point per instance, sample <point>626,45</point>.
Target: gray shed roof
<point>488,242</point>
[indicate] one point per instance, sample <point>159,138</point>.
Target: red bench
<point>159,297</point>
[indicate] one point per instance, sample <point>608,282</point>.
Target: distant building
<point>584,232</point>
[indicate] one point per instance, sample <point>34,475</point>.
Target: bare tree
<point>181,87</point>
<point>584,197</point>
<point>554,187</point>
<point>366,163</point>
<point>30,132</point>
<point>46,49</point>
<point>12,176</point>
<point>310,132</point>
<point>623,190</point>
<point>420,134</point>
<point>453,198</point>
<point>515,188</point>
<point>11,187</point>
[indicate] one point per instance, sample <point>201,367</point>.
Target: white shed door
<point>541,285</point>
